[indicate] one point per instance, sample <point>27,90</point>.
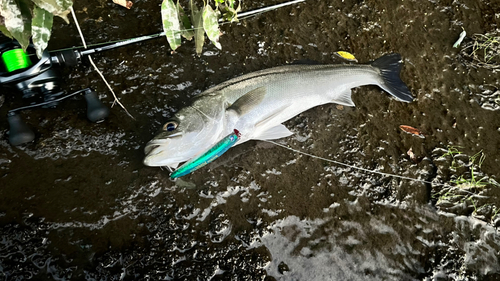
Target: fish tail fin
<point>390,67</point>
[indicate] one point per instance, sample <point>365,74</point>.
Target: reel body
<point>32,77</point>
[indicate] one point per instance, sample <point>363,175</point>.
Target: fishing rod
<point>24,73</point>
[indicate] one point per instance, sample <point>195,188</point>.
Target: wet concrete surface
<point>78,204</point>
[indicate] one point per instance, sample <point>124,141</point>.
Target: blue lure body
<point>210,155</point>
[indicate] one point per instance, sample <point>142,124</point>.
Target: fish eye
<point>170,126</point>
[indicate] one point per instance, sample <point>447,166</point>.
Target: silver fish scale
<point>291,90</point>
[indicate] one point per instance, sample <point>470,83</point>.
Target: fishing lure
<point>210,155</point>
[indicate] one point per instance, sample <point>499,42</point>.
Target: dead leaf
<point>124,3</point>
<point>339,107</point>
<point>411,130</point>
<point>346,55</point>
<point>412,155</point>
<point>64,15</point>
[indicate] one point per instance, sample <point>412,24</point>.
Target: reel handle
<point>19,131</point>
<point>96,110</point>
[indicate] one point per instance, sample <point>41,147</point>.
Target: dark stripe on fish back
<point>268,72</point>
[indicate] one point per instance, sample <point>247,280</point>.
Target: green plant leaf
<point>187,31</point>
<point>17,18</point>
<point>171,25</point>
<point>41,29</point>
<point>199,33</point>
<point>56,7</point>
<point>4,29</point>
<point>229,12</point>
<point>211,25</point>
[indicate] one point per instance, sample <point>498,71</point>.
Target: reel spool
<point>15,59</point>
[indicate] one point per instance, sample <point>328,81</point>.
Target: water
<point>79,204</point>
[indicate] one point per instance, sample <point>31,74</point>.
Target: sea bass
<point>256,104</point>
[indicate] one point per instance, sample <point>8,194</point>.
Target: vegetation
<point>32,19</point>
<point>177,23</point>
<point>483,50</point>
<point>25,19</point>
<point>452,152</point>
<point>472,180</point>
<point>468,191</point>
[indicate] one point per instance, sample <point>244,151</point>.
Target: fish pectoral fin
<point>276,132</point>
<point>344,98</point>
<point>272,115</point>
<point>248,101</point>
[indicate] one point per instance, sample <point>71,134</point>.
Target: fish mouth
<point>149,148</point>
<point>156,156</point>
<point>154,145</point>
<point>153,154</point>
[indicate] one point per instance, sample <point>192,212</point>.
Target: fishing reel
<point>33,77</point>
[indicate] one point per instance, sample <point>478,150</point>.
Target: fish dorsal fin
<point>344,98</point>
<point>248,101</point>
<point>276,132</point>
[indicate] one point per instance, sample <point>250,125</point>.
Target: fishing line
<point>50,102</point>
<point>354,167</point>
<point>168,168</point>
<point>95,67</point>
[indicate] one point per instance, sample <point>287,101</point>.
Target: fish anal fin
<point>344,98</point>
<point>248,101</point>
<point>276,132</point>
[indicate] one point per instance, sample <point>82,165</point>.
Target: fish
<point>256,104</point>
